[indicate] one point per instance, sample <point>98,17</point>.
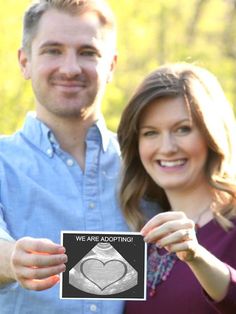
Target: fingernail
<point>62,249</point>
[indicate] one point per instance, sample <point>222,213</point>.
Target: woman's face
<point>171,147</point>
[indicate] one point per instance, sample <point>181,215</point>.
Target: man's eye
<point>52,51</point>
<point>89,53</point>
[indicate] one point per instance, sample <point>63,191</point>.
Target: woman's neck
<point>195,204</point>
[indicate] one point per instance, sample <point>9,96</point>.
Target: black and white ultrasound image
<point>104,266</point>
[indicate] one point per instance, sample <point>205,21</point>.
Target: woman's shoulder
<point>149,208</point>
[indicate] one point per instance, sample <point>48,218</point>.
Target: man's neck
<point>70,134</point>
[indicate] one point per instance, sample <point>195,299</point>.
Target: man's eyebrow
<point>87,46</point>
<point>50,44</point>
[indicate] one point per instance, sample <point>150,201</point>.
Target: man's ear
<point>24,62</point>
<point>113,65</point>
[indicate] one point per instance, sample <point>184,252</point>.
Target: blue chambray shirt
<point>44,191</point>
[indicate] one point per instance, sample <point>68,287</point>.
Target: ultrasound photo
<point>104,266</point>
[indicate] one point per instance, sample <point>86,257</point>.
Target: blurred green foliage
<point>150,33</point>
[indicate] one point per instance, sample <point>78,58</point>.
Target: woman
<point>177,137</point>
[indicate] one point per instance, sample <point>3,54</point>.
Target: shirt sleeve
<point>4,233</point>
<point>228,304</point>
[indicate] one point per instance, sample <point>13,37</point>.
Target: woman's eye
<point>149,133</point>
<point>183,130</point>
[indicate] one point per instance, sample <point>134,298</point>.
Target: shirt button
<point>93,307</point>
<point>91,205</point>
<point>49,152</point>
<point>69,162</point>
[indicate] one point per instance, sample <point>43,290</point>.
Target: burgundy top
<point>181,292</point>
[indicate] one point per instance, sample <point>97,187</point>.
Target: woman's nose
<point>168,144</point>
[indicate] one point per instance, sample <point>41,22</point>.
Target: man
<point>62,167</point>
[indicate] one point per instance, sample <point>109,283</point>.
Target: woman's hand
<point>173,231</point>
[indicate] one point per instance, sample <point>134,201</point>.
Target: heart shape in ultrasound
<point>103,274</point>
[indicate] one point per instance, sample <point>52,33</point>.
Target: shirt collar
<point>104,132</point>
<point>42,137</point>
<point>37,133</point>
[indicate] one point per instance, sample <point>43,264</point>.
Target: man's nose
<point>70,65</point>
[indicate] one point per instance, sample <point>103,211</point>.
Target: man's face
<point>72,58</point>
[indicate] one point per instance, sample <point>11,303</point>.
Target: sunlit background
<point>150,33</point>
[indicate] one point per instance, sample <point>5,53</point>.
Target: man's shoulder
<point>9,142</point>
<point>15,149</point>
<point>6,165</point>
<point>9,138</point>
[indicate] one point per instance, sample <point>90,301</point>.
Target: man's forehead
<point>84,29</point>
<point>55,21</point>
<point>58,17</point>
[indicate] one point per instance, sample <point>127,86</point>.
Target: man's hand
<point>37,263</point>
